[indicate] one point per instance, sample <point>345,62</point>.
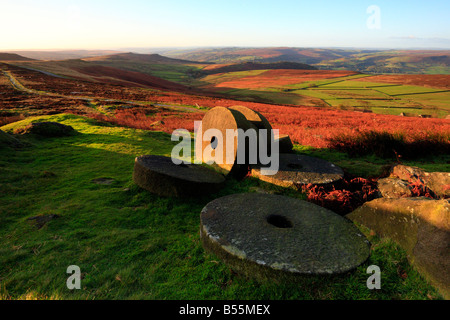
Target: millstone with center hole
<point>281,238</point>
<point>297,169</point>
<point>223,119</point>
<point>158,174</point>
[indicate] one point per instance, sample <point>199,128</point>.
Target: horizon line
<point>225,47</point>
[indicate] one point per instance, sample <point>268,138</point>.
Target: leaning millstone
<point>295,169</point>
<point>280,238</point>
<point>394,188</point>
<point>158,174</point>
<point>421,226</point>
<point>222,120</point>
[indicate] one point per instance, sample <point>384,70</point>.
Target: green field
<point>347,92</point>
<point>131,244</point>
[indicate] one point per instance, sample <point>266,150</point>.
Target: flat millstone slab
<point>280,238</point>
<point>159,175</point>
<point>295,169</point>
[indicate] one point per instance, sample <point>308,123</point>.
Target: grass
<point>230,76</point>
<point>131,244</point>
<point>345,92</point>
<point>405,89</point>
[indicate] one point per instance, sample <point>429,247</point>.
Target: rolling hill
<point>63,54</point>
<point>247,66</point>
<point>12,57</point>
<point>368,61</point>
<point>93,71</point>
<point>175,70</point>
<point>142,58</point>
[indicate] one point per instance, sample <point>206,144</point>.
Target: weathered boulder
<point>421,226</point>
<point>275,237</point>
<point>47,129</point>
<point>438,182</point>
<point>159,175</point>
<point>394,188</point>
<point>406,172</point>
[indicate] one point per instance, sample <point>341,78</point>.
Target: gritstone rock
<point>421,226</point>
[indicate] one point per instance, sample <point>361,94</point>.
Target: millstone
<point>297,169</point>
<point>158,174</point>
<point>280,238</point>
<point>256,118</point>
<point>260,122</point>
<point>285,144</point>
<point>221,118</point>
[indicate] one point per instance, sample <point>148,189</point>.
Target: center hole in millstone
<point>214,142</point>
<point>294,165</point>
<point>279,221</point>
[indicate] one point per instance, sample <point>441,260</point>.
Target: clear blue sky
<point>113,24</point>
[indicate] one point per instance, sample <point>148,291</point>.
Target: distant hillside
<point>369,61</point>
<point>63,54</point>
<point>137,57</point>
<point>12,57</point>
<point>239,55</point>
<point>258,66</point>
<point>174,70</point>
<point>102,73</point>
<point>91,71</point>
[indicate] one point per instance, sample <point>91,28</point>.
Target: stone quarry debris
<point>280,238</point>
<point>159,175</point>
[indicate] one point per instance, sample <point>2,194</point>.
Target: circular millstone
<point>276,237</point>
<point>158,174</point>
<point>297,169</point>
<point>222,119</point>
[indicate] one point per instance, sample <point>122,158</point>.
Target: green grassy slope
<point>131,244</point>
